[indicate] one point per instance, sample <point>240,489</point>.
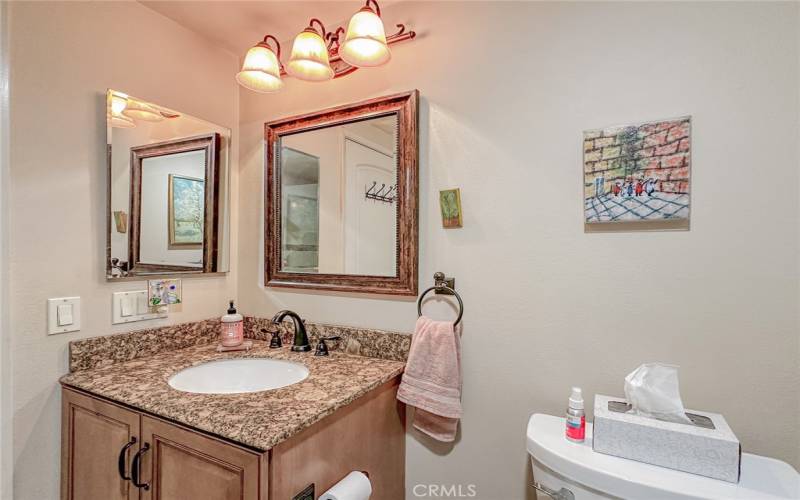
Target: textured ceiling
<point>238,25</point>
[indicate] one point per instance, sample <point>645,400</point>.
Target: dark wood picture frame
<point>405,107</point>
<point>210,143</point>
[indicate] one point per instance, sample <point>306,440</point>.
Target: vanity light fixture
<point>121,121</point>
<point>261,70</point>
<point>122,111</point>
<point>141,111</point>
<point>365,42</point>
<point>116,105</point>
<point>309,59</point>
<point>319,55</point>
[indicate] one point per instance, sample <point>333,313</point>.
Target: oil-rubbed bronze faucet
<point>300,336</point>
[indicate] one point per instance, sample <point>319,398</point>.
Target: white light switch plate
<point>63,315</point>
<point>128,307</point>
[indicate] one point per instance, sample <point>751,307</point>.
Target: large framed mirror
<point>341,198</point>
<point>167,192</point>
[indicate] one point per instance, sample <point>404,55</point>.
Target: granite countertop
<point>257,419</point>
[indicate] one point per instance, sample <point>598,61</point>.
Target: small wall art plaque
<point>450,204</point>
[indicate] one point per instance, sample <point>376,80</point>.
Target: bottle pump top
<point>576,399</point>
<point>231,309</point>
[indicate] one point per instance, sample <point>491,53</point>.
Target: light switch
<point>63,315</point>
<point>128,307</point>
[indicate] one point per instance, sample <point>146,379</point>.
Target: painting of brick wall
<point>648,159</point>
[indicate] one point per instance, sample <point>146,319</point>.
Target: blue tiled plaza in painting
<point>610,208</point>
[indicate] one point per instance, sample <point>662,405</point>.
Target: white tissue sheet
<point>652,390</point>
<point>354,486</point>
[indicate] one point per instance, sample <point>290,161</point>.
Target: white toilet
<point>565,470</point>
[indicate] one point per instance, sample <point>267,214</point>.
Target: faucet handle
<point>275,342</point>
<point>322,347</point>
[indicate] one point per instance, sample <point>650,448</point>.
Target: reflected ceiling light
<point>309,60</point>
<point>142,111</point>
<point>318,55</point>
<point>261,69</point>
<point>120,121</point>
<point>117,103</point>
<point>365,42</point>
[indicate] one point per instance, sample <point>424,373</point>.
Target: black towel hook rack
<point>443,286</point>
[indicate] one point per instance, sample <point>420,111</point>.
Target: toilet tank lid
<point>762,477</point>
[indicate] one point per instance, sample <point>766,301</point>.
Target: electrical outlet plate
<point>128,307</point>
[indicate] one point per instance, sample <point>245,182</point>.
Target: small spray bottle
<point>576,417</point>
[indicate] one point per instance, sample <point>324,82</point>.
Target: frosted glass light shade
<point>118,104</point>
<point>309,59</point>
<point>261,71</point>
<point>141,111</point>
<point>365,42</point>
<point>120,121</point>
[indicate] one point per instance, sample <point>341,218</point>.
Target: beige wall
<point>66,55</point>
<point>507,89</point>
<point>6,436</point>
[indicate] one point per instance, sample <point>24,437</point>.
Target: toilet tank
<point>548,481</point>
<point>558,463</point>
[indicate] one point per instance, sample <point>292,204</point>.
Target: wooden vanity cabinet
<point>185,465</point>
<point>93,434</point>
<point>179,463</point>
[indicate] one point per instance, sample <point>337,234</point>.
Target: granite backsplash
<point>110,349</point>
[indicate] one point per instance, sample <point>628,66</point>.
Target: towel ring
<point>441,287</point>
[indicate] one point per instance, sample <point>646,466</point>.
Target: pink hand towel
<point>432,379</point>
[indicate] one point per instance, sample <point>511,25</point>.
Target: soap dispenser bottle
<point>232,333</point>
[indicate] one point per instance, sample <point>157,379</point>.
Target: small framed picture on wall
<point>450,204</point>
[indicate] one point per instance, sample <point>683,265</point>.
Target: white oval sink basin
<point>233,376</point>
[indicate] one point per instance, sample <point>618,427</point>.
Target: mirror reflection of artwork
<point>186,207</point>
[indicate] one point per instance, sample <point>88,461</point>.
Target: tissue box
<point>711,450</point>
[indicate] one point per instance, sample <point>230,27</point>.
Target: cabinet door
<point>185,465</point>
<point>93,434</point>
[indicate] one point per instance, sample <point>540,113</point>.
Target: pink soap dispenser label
<point>232,328</point>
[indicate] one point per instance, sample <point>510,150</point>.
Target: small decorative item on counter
<point>576,417</point>
<point>163,292</point>
<point>232,334</point>
<point>450,204</point>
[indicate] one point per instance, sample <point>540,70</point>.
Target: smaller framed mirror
<point>341,198</point>
<point>167,201</point>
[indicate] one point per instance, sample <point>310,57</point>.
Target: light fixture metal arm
<point>377,7</point>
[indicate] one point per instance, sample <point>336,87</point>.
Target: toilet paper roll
<point>354,486</point>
